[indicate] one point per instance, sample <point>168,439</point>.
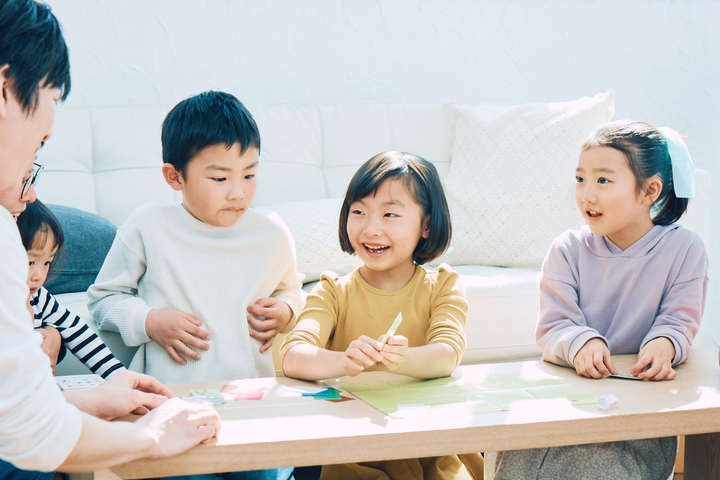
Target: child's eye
<point>391,215</point>
<point>356,212</point>
<point>249,177</point>
<point>32,263</point>
<point>579,179</point>
<point>603,180</point>
<point>48,263</point>
<point>218,179</point>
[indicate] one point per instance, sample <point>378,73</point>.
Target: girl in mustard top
<point>395,218</point>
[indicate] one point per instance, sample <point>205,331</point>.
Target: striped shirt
<point>77,336</point>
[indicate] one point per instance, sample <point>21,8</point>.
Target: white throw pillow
<point>314,225</point>
<point>511,185</point>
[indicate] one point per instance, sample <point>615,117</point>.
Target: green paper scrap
<point>208,393</point>
<point>492,393</point>
<point>329,394</point>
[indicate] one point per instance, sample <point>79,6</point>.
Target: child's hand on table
<point>51,344</point>
<point>394,352</point>
<point>176,332</point>
<point>277,314</point>
<point>659,354</point>
<point>360,354</point>
<point>593,360</point>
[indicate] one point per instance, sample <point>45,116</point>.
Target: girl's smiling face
<point>607,196</point>
<point>384,229</point>
<point>40,257</point>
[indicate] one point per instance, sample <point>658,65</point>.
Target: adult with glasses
<point>40,429</point>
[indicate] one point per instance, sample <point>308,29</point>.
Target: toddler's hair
<point>207,119</point>
<point>646,151</point>
<point>36,223</point>
<point>422,182</point>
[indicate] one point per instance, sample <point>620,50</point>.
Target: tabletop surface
<point>287,429</point>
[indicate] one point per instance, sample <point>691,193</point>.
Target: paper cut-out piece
<point>309,389</point>
<point>228,388</point>
<point>251,395</point>
<point>319,392</point>
<point>625,376</point>
<point>205,400</point>
<point>76,383</point>
<point>329,394</point>
<point>339,400</point>
<point>392,330</point>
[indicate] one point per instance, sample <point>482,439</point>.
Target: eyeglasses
<point>31,179</point>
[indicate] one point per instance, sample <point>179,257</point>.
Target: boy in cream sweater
<point>202,286</point>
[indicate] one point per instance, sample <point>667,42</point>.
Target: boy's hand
<point>176,332</point>
<point>360,354</point>
<point>51,344</point>
<point>593,360</point>
<point>394,352</point>
<point>277,314</point>
<point>659,354</point>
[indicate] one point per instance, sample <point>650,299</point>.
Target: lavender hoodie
<point>591,289</point>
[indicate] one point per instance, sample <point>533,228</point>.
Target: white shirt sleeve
<point>38,428</point>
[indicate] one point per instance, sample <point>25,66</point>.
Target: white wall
<point>662,58</point>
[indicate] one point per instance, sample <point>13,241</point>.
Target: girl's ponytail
<point>672,208</point>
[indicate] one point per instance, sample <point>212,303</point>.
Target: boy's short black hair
<point>32,44</point>
<point>207,119</point>
<point>422,182</point>
<point>35,224</point>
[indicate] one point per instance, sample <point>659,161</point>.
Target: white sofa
<point>106,160</point>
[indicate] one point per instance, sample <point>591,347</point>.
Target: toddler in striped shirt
<point>43,237</point>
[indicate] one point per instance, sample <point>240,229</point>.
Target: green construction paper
<point>491,393</point>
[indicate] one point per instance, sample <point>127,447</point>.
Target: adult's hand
<point>180,425</point>
<point>125,392</point>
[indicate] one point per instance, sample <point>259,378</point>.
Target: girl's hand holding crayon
<point>360,354</point>
<point>657,356</point>
<point>593,360</point>
<point>394,352</point>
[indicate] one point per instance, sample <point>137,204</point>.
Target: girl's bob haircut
<point>422,182</point>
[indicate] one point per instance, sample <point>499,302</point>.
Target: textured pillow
<point>510,186</point>
<point>314,225</point>
<point>88,239</point>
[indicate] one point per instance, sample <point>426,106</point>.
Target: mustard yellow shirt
<point>341,309</point>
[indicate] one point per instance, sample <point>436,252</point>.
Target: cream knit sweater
<point>162,257</point>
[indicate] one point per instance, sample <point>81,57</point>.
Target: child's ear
<point>652,190</point>
<point>426,227</point>
<point>172,176</point>
<point>4,90</point>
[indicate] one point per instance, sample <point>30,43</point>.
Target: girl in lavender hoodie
<point>631,281</point>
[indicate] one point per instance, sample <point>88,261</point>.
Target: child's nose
<point>372,227</point>
<point>236,193</point>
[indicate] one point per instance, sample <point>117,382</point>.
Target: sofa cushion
<point>314,225</point>
<point>87,241</point>
<point>510,187</point>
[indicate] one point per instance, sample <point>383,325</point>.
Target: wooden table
<point>289,430</point>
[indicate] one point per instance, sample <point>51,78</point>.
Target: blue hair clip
<point>682,164</point>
